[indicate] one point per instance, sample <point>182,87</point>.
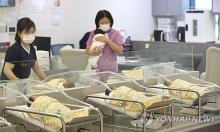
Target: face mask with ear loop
<point>105,27</point>
<point>28,38</point>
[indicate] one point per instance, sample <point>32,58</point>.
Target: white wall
<point>77,17</point>
<point>10,19</point>
<point>204,5</point>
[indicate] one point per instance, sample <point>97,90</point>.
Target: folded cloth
<point>46,104</point>
<point>135,74</point>
<point>126,93</point>
<point>180,84</point>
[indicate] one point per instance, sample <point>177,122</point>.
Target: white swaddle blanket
<point>93,60</point>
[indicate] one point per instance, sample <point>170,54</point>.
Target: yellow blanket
<point>130,94</point>
<point>136,74</point>
<point>50,85</point>
<point>56,83</point>
<point>180,84</point>
<point>53,106</point>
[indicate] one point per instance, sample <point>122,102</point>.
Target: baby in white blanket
<point>93,60</point>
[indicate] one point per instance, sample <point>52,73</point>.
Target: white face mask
<point>105,27</point>
<point>28,38</point>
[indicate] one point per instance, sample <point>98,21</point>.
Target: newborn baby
<point>126,93</point>
<point>180,84</point>
<point>93,60</point>
<point>61,83</point>
<point>53,84</point>
<point>134,74</point>
<point>50,105</point>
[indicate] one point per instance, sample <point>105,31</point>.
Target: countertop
<point>197,48</point>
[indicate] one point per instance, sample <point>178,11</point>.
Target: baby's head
<point>168,82</point>
<point>31,99</point>
<point>108,91</point>
<point>99,31</point>
<point>69,84</point>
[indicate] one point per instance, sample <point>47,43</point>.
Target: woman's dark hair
<point>101,14</point>
<point>24,24</point>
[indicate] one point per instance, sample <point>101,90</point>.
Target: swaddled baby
<point>61,83</point>
<point>126,93</point>
<point>180,84</point>
<point>50,105</point>
<point>134,74</point>
<point>54,83</point>
<point>93,60</point>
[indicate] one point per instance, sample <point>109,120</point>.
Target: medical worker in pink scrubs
<point>113,40</point>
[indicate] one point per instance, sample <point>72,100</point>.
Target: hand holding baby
<point>102,39</point>
<point>97,51</point>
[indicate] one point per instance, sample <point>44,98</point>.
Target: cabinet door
<point>159,7</point>
<point>177,7</point>
<point>216,6</point>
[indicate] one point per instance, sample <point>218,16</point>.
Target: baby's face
<point>68,84</point>
<point>31,99</point>
<point>34,98</point>
<point>168,82</point>
<point>113,88</point>
<point>108,91</point>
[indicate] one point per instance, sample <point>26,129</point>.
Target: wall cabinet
<point>159,7</point>
<point>169,7</point>
<point>216,6</point>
